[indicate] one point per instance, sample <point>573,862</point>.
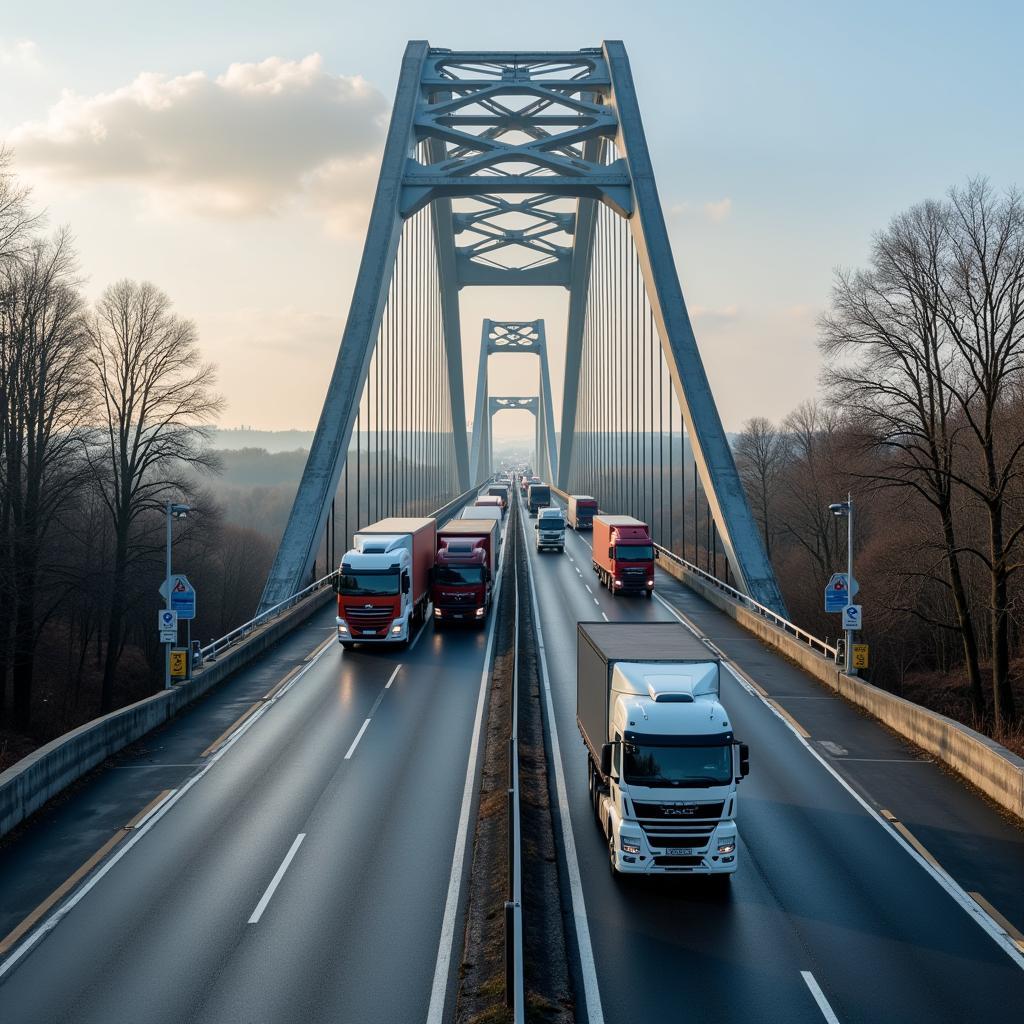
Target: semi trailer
<point>623,555</point>
<point>663,761</point>
<point>465,566</point>
<point>580,511</point>
<point>383,583</point>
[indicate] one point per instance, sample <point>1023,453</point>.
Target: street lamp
<point>174,511</point>
<point>843,509</point>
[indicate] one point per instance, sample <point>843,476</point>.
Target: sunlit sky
<point>230,157</point>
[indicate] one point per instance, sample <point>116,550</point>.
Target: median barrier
<point>996,771</point>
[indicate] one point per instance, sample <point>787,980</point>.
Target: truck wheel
<point>650,594</point>
<point>616,874</point>
<point>347,645</point>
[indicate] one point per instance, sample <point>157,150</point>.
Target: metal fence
<point>748,602</point>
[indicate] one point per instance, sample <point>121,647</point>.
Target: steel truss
<point>503,337</point>
<point>519,142</point>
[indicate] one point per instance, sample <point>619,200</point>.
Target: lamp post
<point>845,509</point>
<point>174,511</point>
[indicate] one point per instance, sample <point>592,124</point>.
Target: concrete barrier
<point>27,785</point>
<point>996,771</point>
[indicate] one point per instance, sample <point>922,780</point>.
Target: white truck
<point>663,761</point>
<point>550,529</point>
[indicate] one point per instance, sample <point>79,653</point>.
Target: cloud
<point>714,211</point>
<point>250,142</point>
<point>714,316</point>
<point>19,55</point>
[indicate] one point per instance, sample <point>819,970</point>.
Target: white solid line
<point>819,997</point>
<point>355,742</point>
<point>595,1015</point>
<point>276,880</point>
<point>387,685</point>
<point>939,874</point>
<point>446,943</point>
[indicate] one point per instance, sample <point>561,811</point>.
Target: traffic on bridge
<point>531,730</point>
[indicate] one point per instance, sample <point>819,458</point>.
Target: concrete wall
<point>27,785</point>
<point>996,771</point>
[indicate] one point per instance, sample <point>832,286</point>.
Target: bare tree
<point>16,218</point>
<point>155,402</point>
<point>760,457</point>
<point>44,398</point>
<point>893,368</point>
<point>982,305</point>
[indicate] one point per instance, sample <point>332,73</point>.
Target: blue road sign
<point>182,597</point>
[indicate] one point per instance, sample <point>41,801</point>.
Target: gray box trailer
<point>600,645</point>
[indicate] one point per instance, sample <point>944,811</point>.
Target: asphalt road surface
<point>831,915</point>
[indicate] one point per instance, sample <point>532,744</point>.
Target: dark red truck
<point>464,568</point>
<point>623,555</point>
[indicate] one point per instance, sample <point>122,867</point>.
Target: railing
<point>748,602</point>
<point>239,633</point>
<point>514,979</point>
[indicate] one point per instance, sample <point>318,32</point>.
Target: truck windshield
<point>368,584</point>
<point>454,575</point>
<point>676,766</point>
<point>634,553</point>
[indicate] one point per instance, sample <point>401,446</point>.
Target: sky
<point>228,152</point>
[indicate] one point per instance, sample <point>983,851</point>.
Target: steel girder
<point>516,139</point>
<point>501,336</point>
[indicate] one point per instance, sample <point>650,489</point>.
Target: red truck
<point>623,554</point>
<point>464,569</point>
<point>580,511</point>
<point>383,583</point>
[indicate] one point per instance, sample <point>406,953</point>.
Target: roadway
<point>214,909</point>
<point>831,915</point>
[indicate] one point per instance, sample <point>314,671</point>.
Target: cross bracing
<point>514,154</point>
<point>499,337</point>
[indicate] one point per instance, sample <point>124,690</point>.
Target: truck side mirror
<point>606,759</point>
<point>405,583</point>
<point>744,760</point>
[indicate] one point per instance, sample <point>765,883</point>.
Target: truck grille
<point>680,812</point>
<point>633,571</point>
<point>696,836</point>
<point>368,618</point>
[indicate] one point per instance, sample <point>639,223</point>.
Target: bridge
<point>311,840</point>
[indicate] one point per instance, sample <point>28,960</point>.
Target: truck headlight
<point>726,845</point>
<point>437,612</point>
<point>650,583</point>
<point>480,613</point>
<point>618,583</point>
<point>629,845</point>
<point>395,630</point>
<point>342,627</point>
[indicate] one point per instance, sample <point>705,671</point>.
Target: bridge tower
<point>529,159</point>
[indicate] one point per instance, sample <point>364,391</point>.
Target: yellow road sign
<point>179,664</point>
<point>860,655</point>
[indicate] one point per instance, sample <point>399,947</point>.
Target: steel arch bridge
<point>523,165</point>
<point>503,338</point>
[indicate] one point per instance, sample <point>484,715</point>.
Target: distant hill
<point>273,441</point>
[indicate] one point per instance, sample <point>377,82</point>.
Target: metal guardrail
<point>515,998</point>
<point>239,633</point>
<point>748,602</point>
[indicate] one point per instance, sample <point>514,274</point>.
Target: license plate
<point>369,632</point>
<point>680,851</point>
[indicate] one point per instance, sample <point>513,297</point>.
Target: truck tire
<point>616,874</point>
<point>650,594</point>
<point>347,645</point>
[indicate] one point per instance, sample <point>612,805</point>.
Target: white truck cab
<point>550,529</point>
<point>664,761</point>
